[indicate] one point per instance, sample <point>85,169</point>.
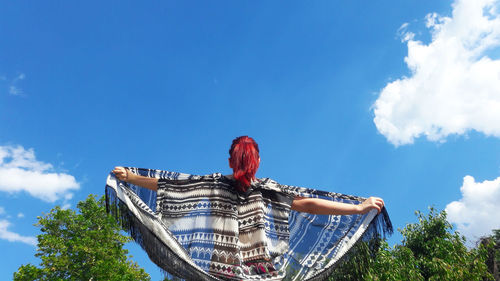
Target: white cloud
<point>20,171</point>
<point>14,237</point>
<point>477,212</point>
<point>2,210</point>
<point>454,86</point>
<point>20,215</point>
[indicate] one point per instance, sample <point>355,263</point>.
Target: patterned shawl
<point>202,228</point>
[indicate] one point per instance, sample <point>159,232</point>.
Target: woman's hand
<point>121,173</point>
<point>371,203</point>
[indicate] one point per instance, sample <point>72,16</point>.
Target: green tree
<point>430,250</point>
<point>492,243</point>
<point>81,246</point>
<point>441,254</point>
<point>394,264</point>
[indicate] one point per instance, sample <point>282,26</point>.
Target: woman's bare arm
<point>125,175</point>
<point>317,206</point>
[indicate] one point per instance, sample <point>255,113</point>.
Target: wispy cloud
<point>2,210</point>
<point>476,213</point>
<point>21,76</point>
<point>14,237</point>
<point>20,215</point>
<point>15,91</point>
<point>453,86</point>
<point>21,171</point>
<point>13,85</point>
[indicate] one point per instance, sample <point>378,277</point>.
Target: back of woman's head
<point>244,159</point>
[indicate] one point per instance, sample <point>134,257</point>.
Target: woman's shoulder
<point>269,184</point>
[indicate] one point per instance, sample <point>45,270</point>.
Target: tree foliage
<point>492,243</point>
<point>430,250</point>
<point>81,246</point>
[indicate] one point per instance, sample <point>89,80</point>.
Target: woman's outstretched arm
<point>317,206</point>
<point>125,175</point>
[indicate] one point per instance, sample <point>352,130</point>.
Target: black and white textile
<point>202,228</point>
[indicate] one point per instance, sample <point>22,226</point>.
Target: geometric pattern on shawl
<point>202,228</point>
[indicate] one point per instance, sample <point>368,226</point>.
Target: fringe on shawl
<point>168,261</point>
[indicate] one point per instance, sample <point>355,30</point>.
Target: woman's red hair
<point>244,159</point>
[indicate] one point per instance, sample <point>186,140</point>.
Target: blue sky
<point>396,99</point>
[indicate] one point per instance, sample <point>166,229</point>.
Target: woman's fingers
<point>376,203</point>
<point>373,203</point>
<point>120,173</point>
<point>120,170</point>
<point>379,201</point>
<point>382,201</point>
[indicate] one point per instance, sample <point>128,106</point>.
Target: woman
<point>238,227</point>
